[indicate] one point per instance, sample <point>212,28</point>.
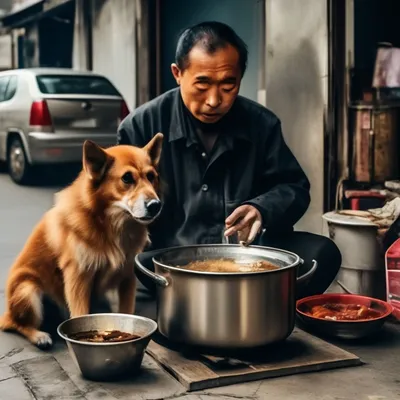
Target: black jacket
<point>250,164</point>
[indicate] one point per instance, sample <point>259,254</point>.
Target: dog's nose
<point>153,207</point>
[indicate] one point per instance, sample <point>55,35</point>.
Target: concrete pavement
<point>28,373</point>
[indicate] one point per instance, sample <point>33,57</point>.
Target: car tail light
<point>40,114</point>
<point>124,110</point>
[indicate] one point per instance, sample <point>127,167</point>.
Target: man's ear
<point>95,160</point>
<point>154,147</point>
<point>176,72</point>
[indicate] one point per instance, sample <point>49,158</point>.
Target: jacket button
<point>204,188</point>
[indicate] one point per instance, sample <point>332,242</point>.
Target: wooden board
<point>300,353</point>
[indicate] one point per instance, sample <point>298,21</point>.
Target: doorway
<point>246,17</point>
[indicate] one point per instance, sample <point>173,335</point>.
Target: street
<point>28,373</point>
<point>20,209</point>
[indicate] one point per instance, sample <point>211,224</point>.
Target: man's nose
<point>153,207</point>
<point>213,99</point>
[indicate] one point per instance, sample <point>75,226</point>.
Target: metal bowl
<point>343,329</point>
<point>108,361</point>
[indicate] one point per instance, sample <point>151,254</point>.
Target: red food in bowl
<point>346,308</point>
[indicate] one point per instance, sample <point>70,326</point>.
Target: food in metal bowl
<point>228,265</point>
<point>108,346</point>
<point>103,336</point>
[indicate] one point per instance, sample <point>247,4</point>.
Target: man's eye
<point>128,178</point>
<point>202,86</point>
<point>228,88</point>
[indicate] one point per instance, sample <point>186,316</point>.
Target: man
<point>225,163</point>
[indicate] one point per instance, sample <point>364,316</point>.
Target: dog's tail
<point>24,306</point>
<point>6,322</point>
<point>25,313</point>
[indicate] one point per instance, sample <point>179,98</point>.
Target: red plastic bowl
<point>343,329</point>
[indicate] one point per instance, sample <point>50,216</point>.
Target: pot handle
<point>309,273</point>
<point>158,279</point>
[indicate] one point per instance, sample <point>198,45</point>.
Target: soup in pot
<point>228,265</point>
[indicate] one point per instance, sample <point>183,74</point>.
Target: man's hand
<point>246,221</point>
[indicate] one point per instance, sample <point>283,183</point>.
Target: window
<point>3,86</point>
<point>11,88</point>
<point>76,84</point>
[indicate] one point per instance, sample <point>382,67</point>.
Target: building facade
<point>132,42</point>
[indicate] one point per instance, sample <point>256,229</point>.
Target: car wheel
<point>18,165</point>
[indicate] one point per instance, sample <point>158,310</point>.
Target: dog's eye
<point>151,176</point>
<point>127,178</point>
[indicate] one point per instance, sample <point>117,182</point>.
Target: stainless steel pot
<point>225,310</point>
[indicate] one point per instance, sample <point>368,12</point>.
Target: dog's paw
<point>42,340</point>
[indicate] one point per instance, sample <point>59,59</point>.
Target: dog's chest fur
<point>119,246</point>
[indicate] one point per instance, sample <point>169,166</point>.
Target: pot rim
<point>230,274</point>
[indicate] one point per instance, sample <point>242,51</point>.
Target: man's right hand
<point>246,221</point>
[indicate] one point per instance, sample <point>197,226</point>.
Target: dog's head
<point>125,178</point>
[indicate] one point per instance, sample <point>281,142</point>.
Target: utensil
<point>343,329</point>
<point>112,360</point>
<point>224,310</point>
<point>233,239</point>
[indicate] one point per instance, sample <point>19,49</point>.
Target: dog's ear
<point>95,160</point>
<point>154,147</point>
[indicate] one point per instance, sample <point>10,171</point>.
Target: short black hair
<point>212,36</point>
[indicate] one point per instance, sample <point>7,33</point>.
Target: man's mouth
<point>211,115</point>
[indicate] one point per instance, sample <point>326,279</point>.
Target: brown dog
<point>87,242</point>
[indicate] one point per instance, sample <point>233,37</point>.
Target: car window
<point>75,84</point>
<point>11,88</point>
<point>3,86</point>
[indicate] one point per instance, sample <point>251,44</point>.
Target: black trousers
<point>309,246</point>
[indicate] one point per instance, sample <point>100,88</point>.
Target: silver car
<point>47,113</point>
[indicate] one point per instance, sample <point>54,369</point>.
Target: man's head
<point>210,61</point>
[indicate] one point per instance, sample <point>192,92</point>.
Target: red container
<point>343,329</point>
<point>392,265</point>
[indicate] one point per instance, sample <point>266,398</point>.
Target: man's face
<point>210,83</point>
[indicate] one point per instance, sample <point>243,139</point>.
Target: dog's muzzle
<point>153,208</point>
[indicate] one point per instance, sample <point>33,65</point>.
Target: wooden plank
<point>300,353</point>
<point>182,369</point>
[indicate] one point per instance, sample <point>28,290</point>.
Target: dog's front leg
<point>77,287</point>
<point>126,294</point>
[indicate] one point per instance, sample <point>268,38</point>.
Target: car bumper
<point>49,148</point>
